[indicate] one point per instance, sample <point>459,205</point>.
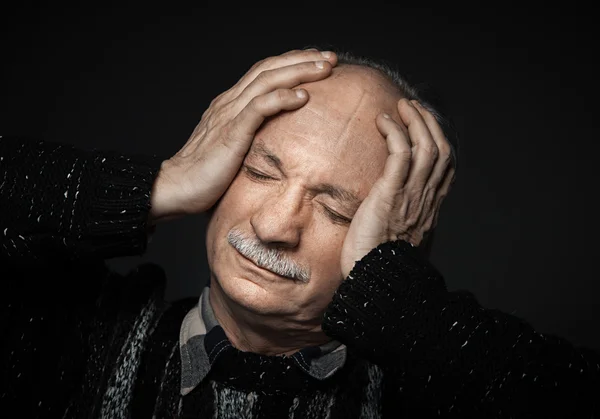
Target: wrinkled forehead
<point>354,90</point>
<point>339,117</point>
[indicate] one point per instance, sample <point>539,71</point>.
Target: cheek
<point>325,249</point>
<point>235,207</point>
<point>236,200</point>
<point>228,211</point>
<point>326,274</point>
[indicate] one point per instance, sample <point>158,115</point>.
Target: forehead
<point>334,135</point>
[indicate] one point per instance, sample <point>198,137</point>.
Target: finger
<point>444,150</point>
<point>284,77</point>
<point>424,148</point>
<point>284,60</point>
<point>397,164</point>
<point>432,124</point>
<point>297,56</point>
<point>244,126</point>
<point>443,191</point>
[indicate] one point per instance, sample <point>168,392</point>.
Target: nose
<point>280,219</point>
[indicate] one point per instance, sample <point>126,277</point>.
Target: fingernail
<point>319,64</point>
<point>386,116</point>
<point>326,54</point>
<point>301,93</point>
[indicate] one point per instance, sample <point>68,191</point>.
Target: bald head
<point>350,99</point>
<point>353,89</point>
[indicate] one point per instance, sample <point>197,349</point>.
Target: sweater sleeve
<point>61,202</point>
<point>63,212</point>
<point>447,352</point>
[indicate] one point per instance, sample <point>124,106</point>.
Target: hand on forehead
<point>339,118</point>
<point>354,94</point>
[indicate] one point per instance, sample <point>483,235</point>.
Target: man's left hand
<point>404,202</point>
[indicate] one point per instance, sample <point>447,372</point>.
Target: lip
<point>260,270</point>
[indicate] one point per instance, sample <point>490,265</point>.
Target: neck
<point>249,331</point>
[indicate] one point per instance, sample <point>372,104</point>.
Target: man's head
<point>290,206</point>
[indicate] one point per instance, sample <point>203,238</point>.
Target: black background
<point>519,228</point>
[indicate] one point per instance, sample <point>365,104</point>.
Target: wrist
<point>159,199</point>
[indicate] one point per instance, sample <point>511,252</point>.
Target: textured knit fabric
<point>81,341</point>
<point>203,340</point>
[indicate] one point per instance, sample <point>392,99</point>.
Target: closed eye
<point>256,175</point>
<point>332,215</point>
<point>335,217</point>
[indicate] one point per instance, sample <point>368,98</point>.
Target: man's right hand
<point>194,179</point>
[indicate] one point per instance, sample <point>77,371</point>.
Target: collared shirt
<point>202,340</point>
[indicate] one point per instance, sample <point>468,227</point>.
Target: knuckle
<point>282,95</point>
<point>405,154</point>
<point>215,102</point>
<point>229,135</point>
<point>260,63</point>
<point>216,116</point>
<point>444,148</point>
<point>432,150</point>
<point>254,103</point>
<point>447,158</point>
<point>412,220</point>
<point>219,100</point>
<point>262,78</point>
<point>416,191</point>
<point>255,106</point>
<point>387,202</point>
<point>199,131</point>
<point>206,114</point>
<point>430,199</point>
<point>452,174</point>
<point>210,124</point>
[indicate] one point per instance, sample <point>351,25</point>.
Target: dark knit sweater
<point>81,341</point>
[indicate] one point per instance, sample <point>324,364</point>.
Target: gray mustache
<point>270,259</point>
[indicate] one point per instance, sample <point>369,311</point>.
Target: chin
<point>252,296</point>
<point>242,285</point>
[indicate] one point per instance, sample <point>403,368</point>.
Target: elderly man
<point>323,174</point>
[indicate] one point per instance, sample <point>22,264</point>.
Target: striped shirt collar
<point>202,340</point>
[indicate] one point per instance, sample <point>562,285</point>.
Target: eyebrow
<point>339,194</point>
<point>336,192</point>
<point>259,148</point>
